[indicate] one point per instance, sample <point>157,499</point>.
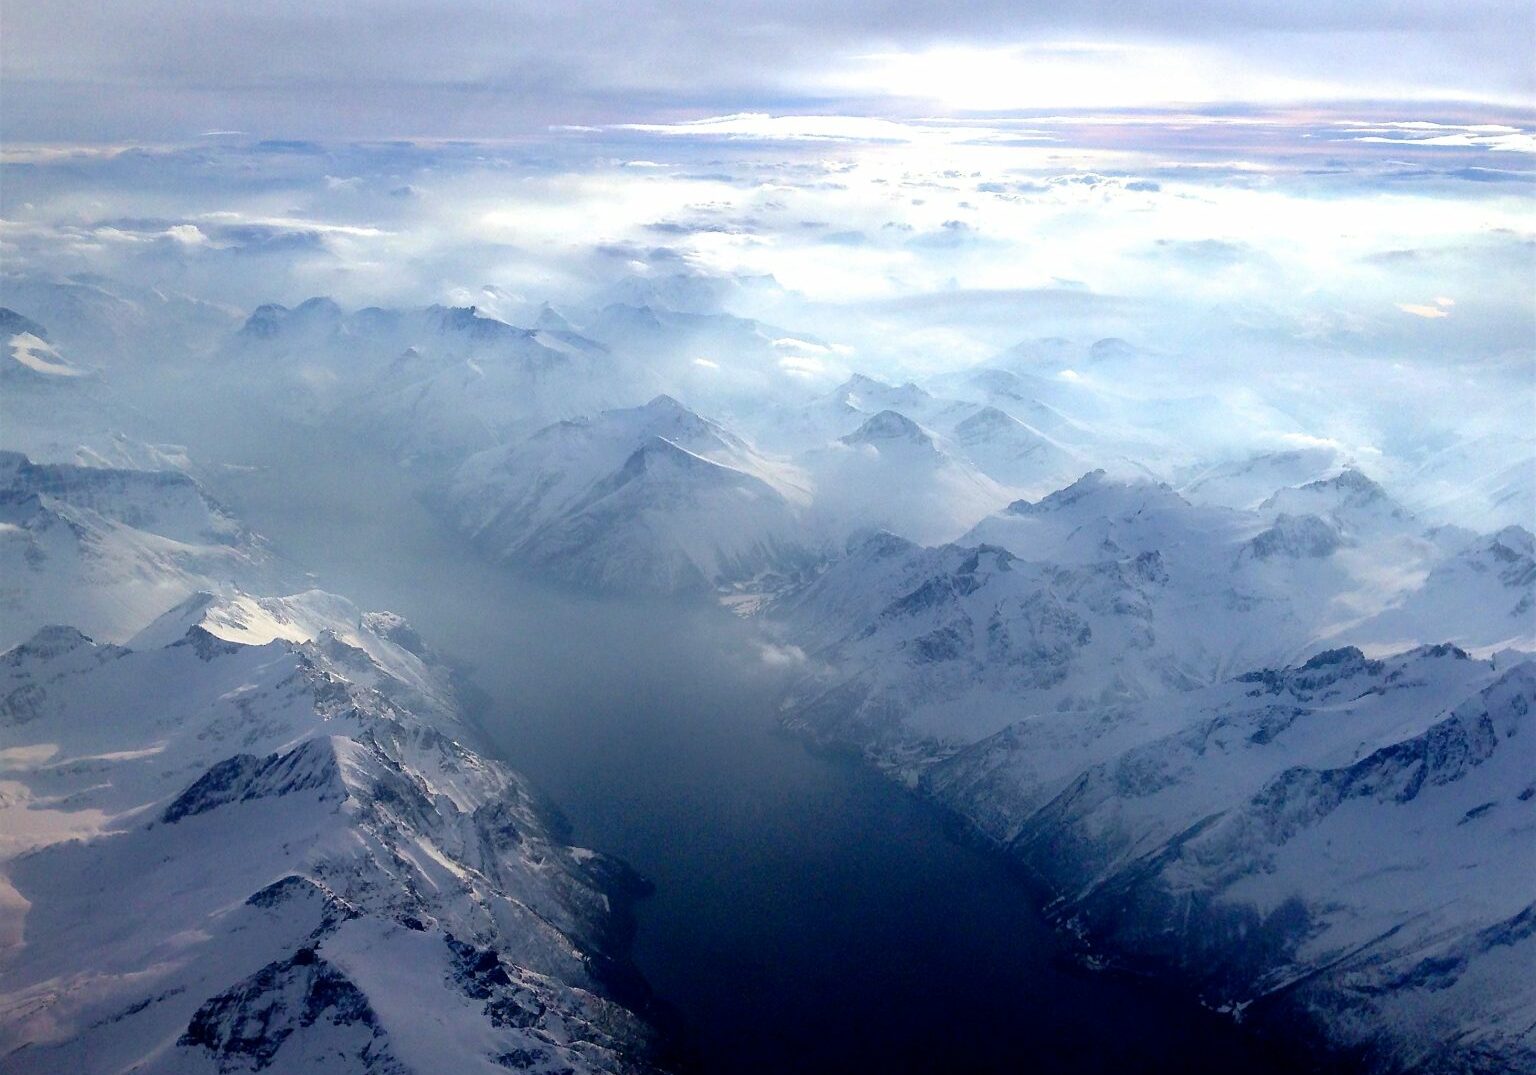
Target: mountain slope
<point>435,382</point>
<point>1483,596</point>
<point>646,499</point>
<point>670,521</point>
<point>1343,837</point>
<point>28,354</point>
<point>1348,837</point>
<point>309,864</point>
<point>1015,454</point>
<point>1113,590</point>
<point>58,410</point>
<point>110,549</point>
<point>890,473</point>
<point>1247,483</point>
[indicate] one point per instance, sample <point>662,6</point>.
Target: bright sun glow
<point>1069,75</point>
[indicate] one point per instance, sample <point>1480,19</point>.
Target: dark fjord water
<point>808,915</point>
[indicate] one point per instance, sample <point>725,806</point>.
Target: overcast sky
<point>170,69</point>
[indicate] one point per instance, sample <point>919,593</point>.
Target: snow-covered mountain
<point>110,549</point>
<point>435,382</point>
<point>1074,679</point>
<point>1482,595</point>
<point>1113,590</point>
<point>1481,473</point>
<point>624,498</point>
<point>651,499</point>
<point>1009,451</point>
<point>917,651</point>
<point>1337,557</point>
<point>1254,718</point>
<point>741,352</point>
<point>1463,489</point>
<point>1043,377</point>
<point>261,836</point>
<point>737,368</point>
<point>1248,482</point>
<point>59,410</point>
<point>103,324</point>
<point>799,424</point>
<point>1015,454</point>
<point>891,473</point>
<point>29,357</point>
<point>1346,837</point>
<point>1020,395</point>
<point>1349,499</point>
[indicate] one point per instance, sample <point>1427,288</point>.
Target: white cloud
<point>802,365</point>
<point>1421,310</point>
<point>763,126</point>
<point>187,234</point>
<point>781,656</point>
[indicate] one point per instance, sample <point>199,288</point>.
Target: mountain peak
<point>319,307</point>
<point>861,390</point>
<point>990,421</point>
<point>270,319</point>
<point>266,320</point>
<point>49,642</point>
<point>667,406</point>
<point>666,416</point>
<point>551,320</point>
<point>454,316</point>
<point>1516,540</point>
<point>1296,536</point>
<point>1349,493</point>
<point>623,315</point>
<point>888,427</point>
<point>1353,482</point>
<point>990,415</point>
<point>1111,495</point>
<point>1110,349</point>
<point>877,544</point>
<point>997,382</point>
<point>1085,486</point>
<point>860,382</point>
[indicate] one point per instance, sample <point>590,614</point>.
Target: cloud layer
<point>381,68</point>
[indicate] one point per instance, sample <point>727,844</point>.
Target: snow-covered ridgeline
<point>246,831</point>
<point>1347,838</point>
<point>652,499</point>
<point>1342,836</point>
<point>260,834</point>
<point>107,549</point>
